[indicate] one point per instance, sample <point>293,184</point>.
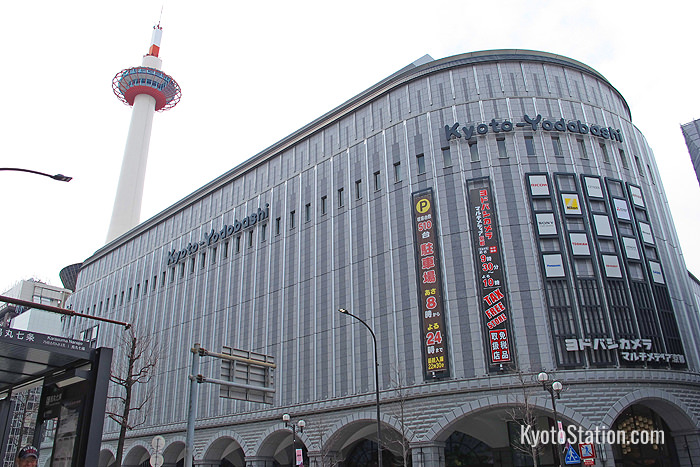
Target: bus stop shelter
<point>74,379</point>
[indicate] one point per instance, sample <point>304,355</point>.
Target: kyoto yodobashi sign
<point>216,235</point>
<point>530,123</point>
<point>434,337</point>
<point>491,288</point>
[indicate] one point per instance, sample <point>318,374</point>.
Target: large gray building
<point>489,215</point>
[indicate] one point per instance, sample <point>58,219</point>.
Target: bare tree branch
<point>136,360</point>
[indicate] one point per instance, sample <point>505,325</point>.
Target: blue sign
<point>572,457</point>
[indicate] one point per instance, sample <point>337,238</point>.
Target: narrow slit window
<point>556,146</point>
<point>420,161</point>
<point>397,172</point>
<point>530,145</point>
<point>473,152</point>
<point>582,148</point>
<point>502,150</point>
<point>446,157</point>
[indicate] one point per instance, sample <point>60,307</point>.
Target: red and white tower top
<point>148,79</point>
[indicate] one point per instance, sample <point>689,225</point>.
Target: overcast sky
<point>253,73</point>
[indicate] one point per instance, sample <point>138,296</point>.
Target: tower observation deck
<point>146,89</point>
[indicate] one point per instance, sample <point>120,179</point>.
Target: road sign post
<point>249,379</point>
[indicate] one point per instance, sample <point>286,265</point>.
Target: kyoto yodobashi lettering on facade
<point>434,334</point>
<point>505,126</point>
<point>215,236</point>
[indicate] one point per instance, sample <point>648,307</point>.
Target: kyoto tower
<point>146,89</point>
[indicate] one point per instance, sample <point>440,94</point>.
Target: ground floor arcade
<point>484,431</point>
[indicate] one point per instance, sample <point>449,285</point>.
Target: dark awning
<point>27,357</point>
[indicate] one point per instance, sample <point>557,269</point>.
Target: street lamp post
<point>59,177</point>
<point>294,426</point>
<point>376,383</point>
<point>554,389</point>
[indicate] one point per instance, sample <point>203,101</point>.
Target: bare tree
<point>136,362</point>
<point>524,415</point>
<point>399,412</point>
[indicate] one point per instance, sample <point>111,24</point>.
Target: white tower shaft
<point>127,203</point>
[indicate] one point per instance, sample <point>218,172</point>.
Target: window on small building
<point>446,157</point>
<point>250,238</point>
<point>307,212</point>
<point>263,232</point>
<point>529,145</point>
<point>502,151</point>
<point>377,181</point>
<point>473,151</point>
<point>324,203</point>
<point>556,146</point>
<point>226,249</point>
<point>606,156</point>
<point>292,219</point>
<point>638,163</point>
<point>278,225</point>
<point>420,160</point>
<point>238,244</point>
<point>358,189</point>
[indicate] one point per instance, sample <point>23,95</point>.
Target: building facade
<point>489,215</point>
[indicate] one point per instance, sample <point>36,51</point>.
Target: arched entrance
<point>174,454</point>
<point>364,454</point>
<point>137,456</point>
<point>225,452</point>
<point>462,449</point>
<point>644,439</point>
<point>106,459</point>
<point>279,448</point>
<point>352,442</point>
